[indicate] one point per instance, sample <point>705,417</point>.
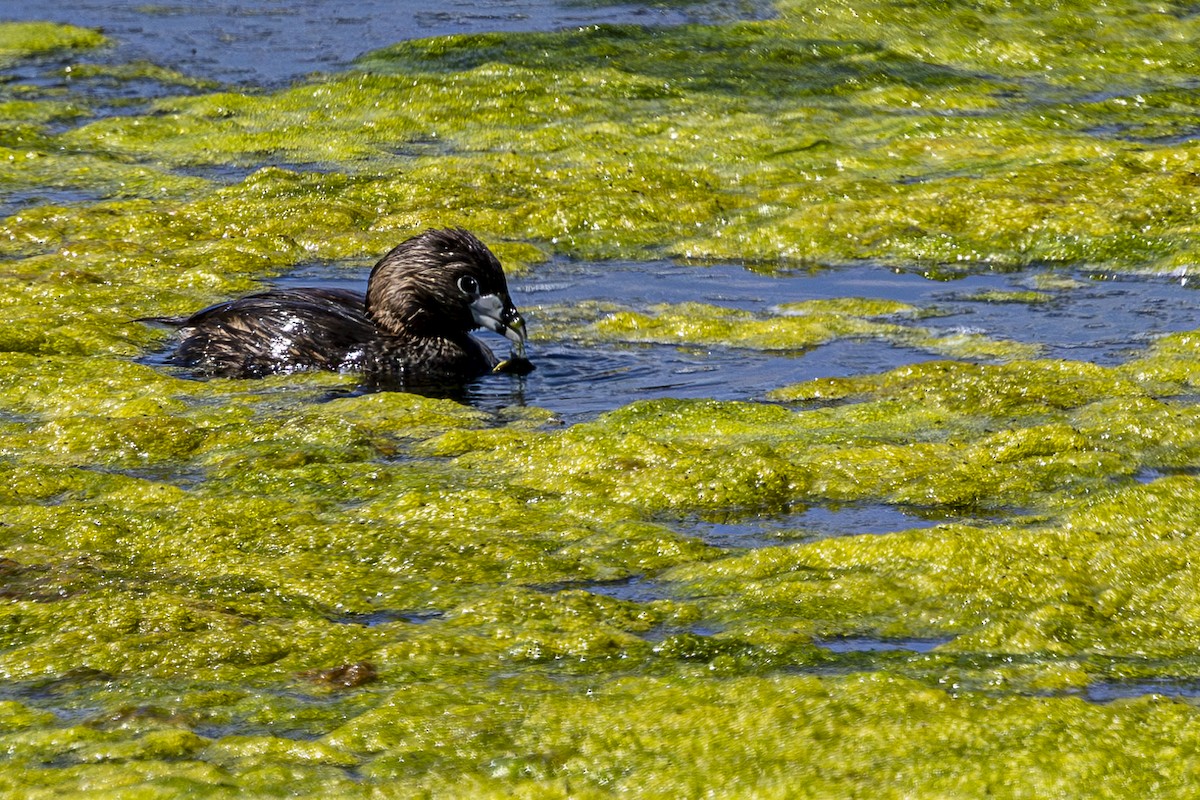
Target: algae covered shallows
<point>181,557</point>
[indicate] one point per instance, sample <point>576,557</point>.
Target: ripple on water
<point>1090,318</point>
<point>269,43</point>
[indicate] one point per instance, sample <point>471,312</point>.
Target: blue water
<point>1108,691</point>
<point>1101,319</point>
<point>809,523</point>
<point>271,43</point>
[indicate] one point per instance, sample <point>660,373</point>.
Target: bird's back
<point>281,331</point>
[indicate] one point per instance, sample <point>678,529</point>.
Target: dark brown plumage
<point>413,326</point>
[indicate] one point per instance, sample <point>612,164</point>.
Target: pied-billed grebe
<point>413,325</point>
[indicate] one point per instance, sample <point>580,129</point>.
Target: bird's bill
<point>498,314</point>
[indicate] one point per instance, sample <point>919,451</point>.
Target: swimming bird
<point>412,326</point>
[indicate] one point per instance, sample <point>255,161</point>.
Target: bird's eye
<point>468,285</point>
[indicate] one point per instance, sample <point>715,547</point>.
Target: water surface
<point>269,43</point>
<point>1096,317</point>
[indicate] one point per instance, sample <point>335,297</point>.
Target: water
<point>870,644</point>
<point>636,589</point>
<point>1102,320</point>
<point>271,43</point>
<point>579,382</point>
<point>809,523</point>
<point>1097,318</point>
<point>1109,691</point>
<point>374,619</point>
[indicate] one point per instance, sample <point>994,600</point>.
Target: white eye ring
<point>468,285</point>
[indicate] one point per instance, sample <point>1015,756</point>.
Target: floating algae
<point>797,327</point>
<point>182,560</point>
<point>19,40</point>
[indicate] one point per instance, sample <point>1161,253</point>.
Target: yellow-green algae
<point>796,327</point>
<point>760,140</point>
<point>187,566</point>
<point>1027,296</point>
<point>24,39</point>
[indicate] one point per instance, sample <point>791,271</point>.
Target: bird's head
<point>443,283</point>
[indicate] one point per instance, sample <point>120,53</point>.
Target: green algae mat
<point>284,588</point>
